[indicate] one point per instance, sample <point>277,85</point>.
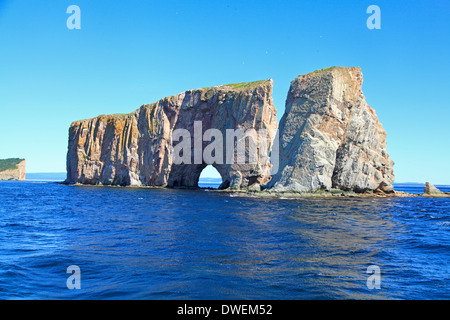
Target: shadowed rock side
<point>137,149</point>
<point>12,169</point>
<point>330,138</point>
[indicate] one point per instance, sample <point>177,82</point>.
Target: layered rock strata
<point>330,138</point>
<point>138,148</point>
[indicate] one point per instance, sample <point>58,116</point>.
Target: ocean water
<point>142,243</point>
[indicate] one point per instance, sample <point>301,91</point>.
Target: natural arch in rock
<point>188,175</point>
<point>210,177</point>
<point>138,148</point>
<point>330,138</point>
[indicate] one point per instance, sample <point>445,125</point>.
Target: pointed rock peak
<point>431,189</point>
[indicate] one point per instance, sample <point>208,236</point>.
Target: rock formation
<point>12,169</point>
<point>431,191</point>
<point>330,137</point>
<point>138,148</point>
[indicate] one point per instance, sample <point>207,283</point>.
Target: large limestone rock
<point>138,148</point>
<point>12,169</point>
<point>330,137</point>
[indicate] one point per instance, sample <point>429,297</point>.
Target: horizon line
<point>406,182</point>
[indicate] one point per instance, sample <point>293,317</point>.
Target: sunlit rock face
<point>330,138</point>
<point>138,148</point>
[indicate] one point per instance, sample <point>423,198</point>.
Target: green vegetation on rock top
<point>323,70</point>
<point>9,164</point>
<point>244,85</point>
<point>239,86</point>
<point>326,69</point>
<point>119,115</point>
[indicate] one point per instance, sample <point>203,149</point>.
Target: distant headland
<point>12,169</point>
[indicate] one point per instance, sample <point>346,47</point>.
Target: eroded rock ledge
<point>329,139</point>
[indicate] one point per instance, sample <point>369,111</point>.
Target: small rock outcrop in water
<point>12,169</point>
<point>431,191</point>
<point>137,148</point>
<point>330,138</point>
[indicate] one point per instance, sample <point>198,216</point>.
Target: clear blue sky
<point>128,53</point>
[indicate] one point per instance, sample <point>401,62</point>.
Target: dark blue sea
<point>132,243</point>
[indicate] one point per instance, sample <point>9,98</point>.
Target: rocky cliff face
<point>12,169</point>
<point>330,137</point>
<point>138,148</point>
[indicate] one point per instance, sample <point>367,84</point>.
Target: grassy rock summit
<point>329,138</point>
<point>12,169</point>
